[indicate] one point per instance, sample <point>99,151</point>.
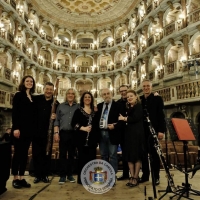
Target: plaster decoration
<point>88,13</point>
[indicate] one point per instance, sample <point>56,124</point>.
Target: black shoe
<point>142,180</point>
<point>37,180</point>
<point>25,184</point>
<point>16,184</point>
<point>45,179</point>
<point>121,178</point>
<point>157,181</point>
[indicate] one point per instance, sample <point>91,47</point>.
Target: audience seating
<point>192,154</point>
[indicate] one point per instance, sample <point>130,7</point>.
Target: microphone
<point>194,169</point>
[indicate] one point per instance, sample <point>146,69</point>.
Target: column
<point>1,10</point>
<point>185,44</point>
<point>184,11</point>
<point>95,32</point>
<point>56,28</point>
<point>146,60</point>
<point>73,38</point>
<point>127,75</point>
<point>160,15</point>
<point>73,82</point>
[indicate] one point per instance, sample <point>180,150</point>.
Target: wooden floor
<point>74,191</point>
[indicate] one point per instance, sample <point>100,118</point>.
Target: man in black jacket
<point>41,161</point>
<point>107,114</point>
<point>153,106</point>
<point>122,102</point>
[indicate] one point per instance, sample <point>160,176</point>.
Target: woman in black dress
<point>23,126</point>
<point>134,136</point>
<point>84,124</point>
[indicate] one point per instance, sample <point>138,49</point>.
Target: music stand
<point>185,134</point>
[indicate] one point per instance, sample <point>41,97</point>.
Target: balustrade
<point>26,18</point>
<point>118,64</point>
<point>35,57</point>
<point>23,48</point>
<point>49,38</point>
<point>194,16</point>
<point>65,44</point>
<point>196,55</point>
<point>149,9</point>
<point>165,94</point>
<point>118,40</point>
<point>64,67</point>
<point>188,90</point>
<point>84,45</point>
<point>48,63</point>
<point>36,29</point>
<point>7,73</point>
<point>102,68</point>
<point>10,37</point>
<point>150,41</point>
<point>13,4</point>
<point>169,29</point>
<point>151,75</point>
<point>2,97</point>
<point>170,67</point>
<point>102,45</point>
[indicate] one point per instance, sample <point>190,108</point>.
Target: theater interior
<point>94,44</point>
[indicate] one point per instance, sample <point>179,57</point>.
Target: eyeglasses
<point>123,91</point>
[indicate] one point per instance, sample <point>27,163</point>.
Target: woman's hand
<point>121,117</point>
<point>53,116</point>
<point>16,133</point>
<point>56,137</point>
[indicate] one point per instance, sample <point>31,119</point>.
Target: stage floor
<point>74,191</point>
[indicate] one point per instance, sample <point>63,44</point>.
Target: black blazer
<point>113,115</point>
<point>155,108</point>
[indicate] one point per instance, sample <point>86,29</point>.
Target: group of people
<point>82,127</point>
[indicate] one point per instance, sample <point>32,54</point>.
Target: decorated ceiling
<point>77,14</point>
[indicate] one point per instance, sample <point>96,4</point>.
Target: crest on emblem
<point>98,176</point>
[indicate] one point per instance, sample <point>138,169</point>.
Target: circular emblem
<point>98,176</point>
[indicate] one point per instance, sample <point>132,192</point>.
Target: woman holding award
<point>84,125</point>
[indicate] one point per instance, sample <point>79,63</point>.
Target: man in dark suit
<point>107,114</point>
<point>122,103</point>
<point>153,106</point>
<point>41,161</point>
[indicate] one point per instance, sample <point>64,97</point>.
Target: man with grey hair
<point>107,115</point>
<point>153,107</point>
<point>63,132</point>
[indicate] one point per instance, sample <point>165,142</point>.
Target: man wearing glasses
<point>122,102</point>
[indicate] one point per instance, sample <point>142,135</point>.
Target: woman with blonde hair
<point>132,119</point>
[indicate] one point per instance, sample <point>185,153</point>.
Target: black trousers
<point>20,156</point>
<point>41,161</point>
<point>85,154</point>
<point>125,172</point>
<point>67,150</point>
<point>154,158</point>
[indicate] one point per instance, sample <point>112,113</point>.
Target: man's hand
<point>121,117</point>
<point>111,126</point>
<point>160,135</point>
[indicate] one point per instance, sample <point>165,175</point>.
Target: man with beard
<point>41,161</point>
